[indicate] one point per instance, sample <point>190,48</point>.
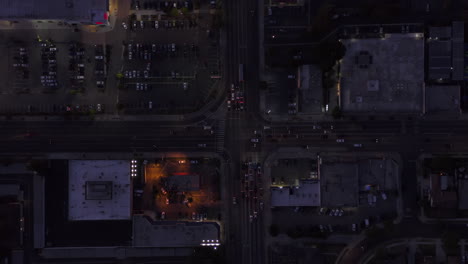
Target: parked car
<point>384,196</point>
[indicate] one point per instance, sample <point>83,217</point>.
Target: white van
<point>150,105</point>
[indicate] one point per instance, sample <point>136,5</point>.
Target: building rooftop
<point>463,194</point>
<point>9,190</point>
<point>339,184</point>
<point>383,75</point>
<point>442,98</point>
<point>445,52</point>
<point>10,215</point>
<point>307,193</point>
<point>440,194</point>
<point>93,11</point>
<point>99,190</point>
<point>310,89</point>
<point>149,233</point>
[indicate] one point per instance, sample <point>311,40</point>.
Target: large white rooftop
<point>91,11</point>
<point>383,75</point>
<point>99,190</point>
<point>306,194</point>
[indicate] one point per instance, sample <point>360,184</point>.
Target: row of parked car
<point>49,65</point>
<point>161,5</point>
<point>21,65</point>
<point>160,24</point>
<point>100,61</point>
<point>76,54</point>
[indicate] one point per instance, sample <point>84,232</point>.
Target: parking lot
<point>51,74</point>
<point>169,63</point>
<point>173,68</point>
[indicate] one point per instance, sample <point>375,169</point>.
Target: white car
<point>357,145</point>
<point>384,196</point>
<point>99,107</point>
<point>156,25</point>
<point>234,201</point>
<point>124,25</point>
<point>353,227</point>
<point>150,105</point>
<point>340,140</point>
<point>337,212</point>
<point>142,24</point>
<point>366,222</point>
<point>185,86</point>
<point>254,140</point>
<point>202,145</point>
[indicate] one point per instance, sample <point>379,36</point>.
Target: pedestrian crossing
<point>221,126</point>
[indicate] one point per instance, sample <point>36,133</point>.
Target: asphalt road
<point>245,239</point>
<point>42,137</point>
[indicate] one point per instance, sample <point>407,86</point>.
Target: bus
<point>241,72</point>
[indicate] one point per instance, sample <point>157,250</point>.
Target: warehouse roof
<point>94,11</point>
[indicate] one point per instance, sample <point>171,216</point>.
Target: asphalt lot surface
<point>45,75</point>
<point>245,239</point>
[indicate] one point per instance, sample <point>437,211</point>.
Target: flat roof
<point>339,183</point>
<point>307,193</point>
<point>310,89</point>
<point>149,233</point>
<point>73,10</point>
<point>440,32</point>
<point>458,32</point>
<point>463,194</point>
<point>9,189</point>
<point>395,64</point>
<point>445,52</point>
<point>99,190</point>
<point>443,98</point>
<point>10,214</point>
